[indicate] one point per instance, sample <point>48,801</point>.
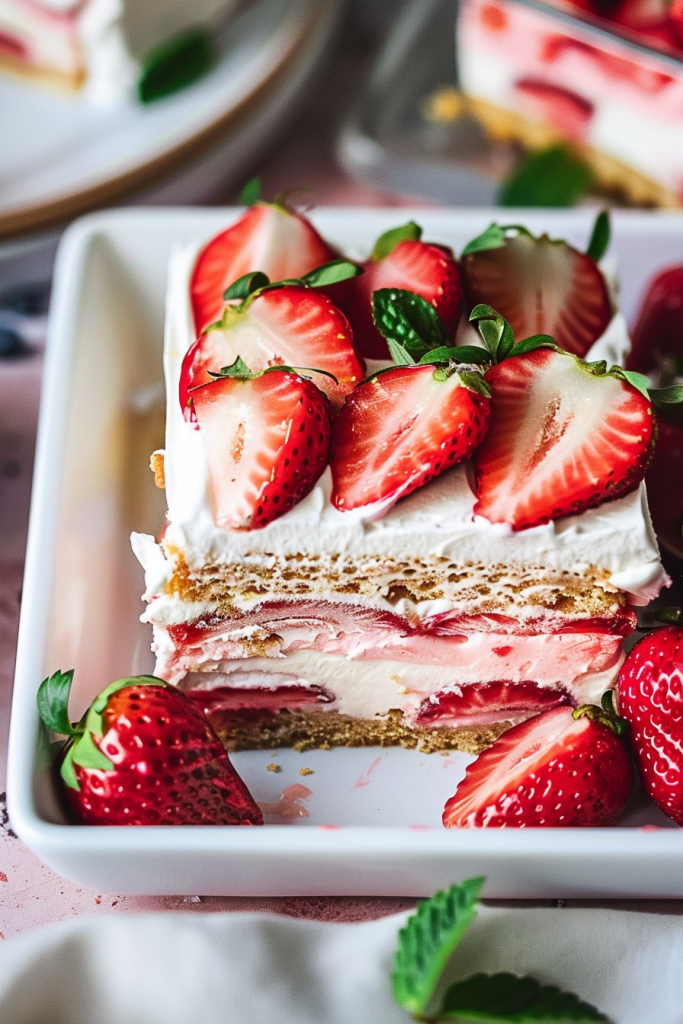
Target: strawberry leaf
<point>83,750</point>
<point>387,242</point>
<point>670,616</point>
<point>331,273</point>
<point>251,192</point>
<point>536,341</point>
<point>600,236</point>
<point>507,999</point>
<point>408,320</point>
<point>459,354</point>
<point>246,285</point>
<point>661,397</point>
<point>495,331</point>
<point>492,238</point>
<point>427,941</point>
<point>53,702</point>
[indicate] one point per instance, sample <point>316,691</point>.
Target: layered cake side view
<point>112,50</point>
<point>465,533</point>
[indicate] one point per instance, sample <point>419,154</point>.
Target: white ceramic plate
<point>60,155</point>
<point>101,416</point>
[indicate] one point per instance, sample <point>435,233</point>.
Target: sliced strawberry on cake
<point>286,324</point>
<point>268,237</point>
<point>540,285</point>
<point>565,436</point>
<point>266,437</point>
<point>401,260</point>
<point>561,769</point>
<point>403,427</point>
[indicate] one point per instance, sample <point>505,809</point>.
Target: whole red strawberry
<point>651,699</point>
<point>144,754</point>
<point>401,260</point>
<point>564,768</point>
<point>658,333</point>
<point>403,427</point>
<point>266,437</point>
<point>268,237</point>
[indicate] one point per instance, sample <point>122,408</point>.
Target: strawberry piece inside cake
<point>416,616</point>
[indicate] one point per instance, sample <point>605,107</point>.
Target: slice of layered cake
<point>421,556</point>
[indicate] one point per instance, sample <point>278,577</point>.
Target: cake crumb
<point>272,767</point>
<point>305,771</point>
<point>444,106</point>
<point>156,464</point>
<point>444,753</point>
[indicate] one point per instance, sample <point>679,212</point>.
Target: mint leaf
<point>387,242</point>
<point>251,192</point>
<point>246,285</point>
<point>175,64</point>
<point>506,999</point>
<point>408,320</point>
<point>427,941</point>
<point>549,177</point>
<point>492,238</point>
<point>330,273</point>
<point>599,237</point>
<point>53,702</point>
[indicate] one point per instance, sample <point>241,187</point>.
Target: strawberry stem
<point>605,715</point>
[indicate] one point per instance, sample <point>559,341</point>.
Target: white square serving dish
<point>374,814</point>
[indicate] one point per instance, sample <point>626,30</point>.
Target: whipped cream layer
<point>436,521</point>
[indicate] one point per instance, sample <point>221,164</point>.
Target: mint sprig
<point>497,335</point>
<point>427,941</point>
<point>507,999</point>
<point>425,945</point>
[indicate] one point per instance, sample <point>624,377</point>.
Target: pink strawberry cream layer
<point>428,609</point>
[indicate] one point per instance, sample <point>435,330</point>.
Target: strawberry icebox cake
<point>405,496</point>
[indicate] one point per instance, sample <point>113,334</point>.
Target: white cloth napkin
<point>261,969</point>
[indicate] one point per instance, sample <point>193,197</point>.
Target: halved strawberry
<point>540,286</point>
<point>268,237</point>
<point>410,264</point>
<point>266,438</point>
<point>288,326</point>
<point>565,436</point>
<point>402,427</point>
<point>560,769</point>
<point>482,703</point>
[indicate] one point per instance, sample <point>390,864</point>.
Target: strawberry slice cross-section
<point>401,428</point>
<point>266,438</point>
<point>293,325</point>
<point>565,436</point>
<point>540,286</point>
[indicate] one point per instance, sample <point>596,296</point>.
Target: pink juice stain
<point>364,780</point>
<point>289,803</point>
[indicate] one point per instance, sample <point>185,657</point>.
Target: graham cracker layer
<point>471,588</point>
<point>309,730</point>
<point>50,77</point>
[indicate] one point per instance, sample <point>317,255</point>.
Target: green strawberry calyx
<point>81,747</point>
<point>606,714</point>
<point>240,371</point>
<point>247,288</point>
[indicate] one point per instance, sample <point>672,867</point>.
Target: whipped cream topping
<point>436,520</point>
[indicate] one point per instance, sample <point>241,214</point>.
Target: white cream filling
<point>364,689</point>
